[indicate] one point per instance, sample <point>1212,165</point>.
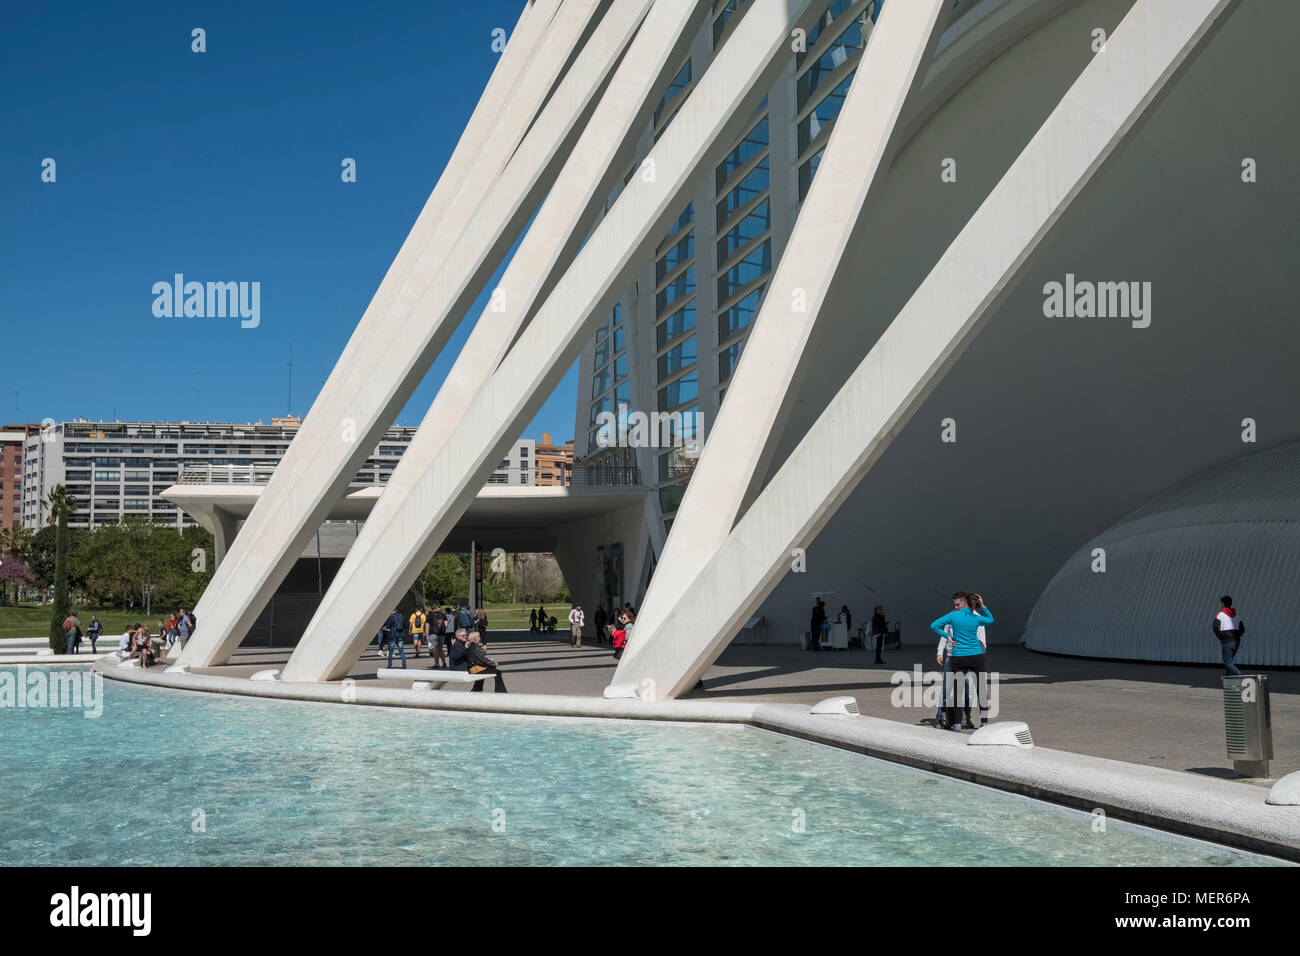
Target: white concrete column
<point>1104,106</point>
<point>429,493</point>
<point>402,332</point>
<point>852,171</point>
<point>557,231</point>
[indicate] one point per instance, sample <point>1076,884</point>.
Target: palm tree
<point>62,506</point>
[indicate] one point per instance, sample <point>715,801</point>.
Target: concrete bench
<point>429,679</point>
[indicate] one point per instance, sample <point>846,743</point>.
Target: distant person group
<point>179,627</point>
<point>432,630</point>
<point>137,641</point>
<point>819,623</point>
<point>539,622</point>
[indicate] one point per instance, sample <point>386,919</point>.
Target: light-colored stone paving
<point>1154,714</point>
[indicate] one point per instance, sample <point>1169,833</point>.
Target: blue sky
<point>223,166</point>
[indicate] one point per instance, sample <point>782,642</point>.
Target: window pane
<point>740,315</point>
<point>823,113</point>
<point>727,360</point>
<point>599,382</point>
<point>847,45</point>
<point>755,142</point>
<point>682,252</point>
<point>620,367</point>
<point>685,389</point>
<point>679,83</point>
<point>754,184</point>
<point>676,359</point>
<point>752,225</point>
<point>754,266</point>
<point>679,288</point>
<point>807,171</point>
<point>680,322</point>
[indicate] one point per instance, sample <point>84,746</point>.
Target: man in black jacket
<point>815,626</point>
<point>395,633</point>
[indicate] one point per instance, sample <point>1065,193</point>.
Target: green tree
<point>44,545</point>
<point>16,550</point>
<point>62,505</point>
<point>445,578</point>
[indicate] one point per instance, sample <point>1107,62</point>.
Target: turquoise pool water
<point>275,782</point>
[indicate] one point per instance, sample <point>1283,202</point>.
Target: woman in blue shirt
<point>968,615</point>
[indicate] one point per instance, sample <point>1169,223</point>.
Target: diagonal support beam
<point>434,493</point>
<point>1102,109</point>
<point>604,149</point>
<point>852,172</point>
<point>402,332</point>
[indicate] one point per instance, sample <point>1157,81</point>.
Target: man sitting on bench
<point>479,662</point>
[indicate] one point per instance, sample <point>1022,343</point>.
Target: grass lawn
<point>34,621</point>
<point>514,617</point>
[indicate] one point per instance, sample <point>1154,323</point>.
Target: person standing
<point>967,658</point>
<point>815,626</point>
<point>419,624</point>
<point>94,632</point>
<point>532,620</point>
<point>183,628</point>
<point>601,619</point>
<point>72,632</point>
<point>481,625</point>
<point>879,627</point>
<point>395,627</point>
<point>542,619</point>
<point>576,620</point>
<point>1229,629</point>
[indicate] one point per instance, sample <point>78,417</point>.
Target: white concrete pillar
<point>853,170</point>
<point>1153,43</point>
<point>428,492</point>
<point>406,326</point>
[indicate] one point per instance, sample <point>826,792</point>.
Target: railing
<point>595,475</point>
<point>605,475</point>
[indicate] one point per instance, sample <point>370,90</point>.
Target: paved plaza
<point>1160,715</point>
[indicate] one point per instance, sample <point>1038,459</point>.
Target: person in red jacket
<point>1229,629</point>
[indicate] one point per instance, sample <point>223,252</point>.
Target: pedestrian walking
<point>396,636</point>
<point>1229,629</point>
<point>879,627</point>
<point>576,620</point>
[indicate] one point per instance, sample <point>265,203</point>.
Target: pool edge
<point>1210,809</point>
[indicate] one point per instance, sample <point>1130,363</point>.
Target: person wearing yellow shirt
<point>419,629</point>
